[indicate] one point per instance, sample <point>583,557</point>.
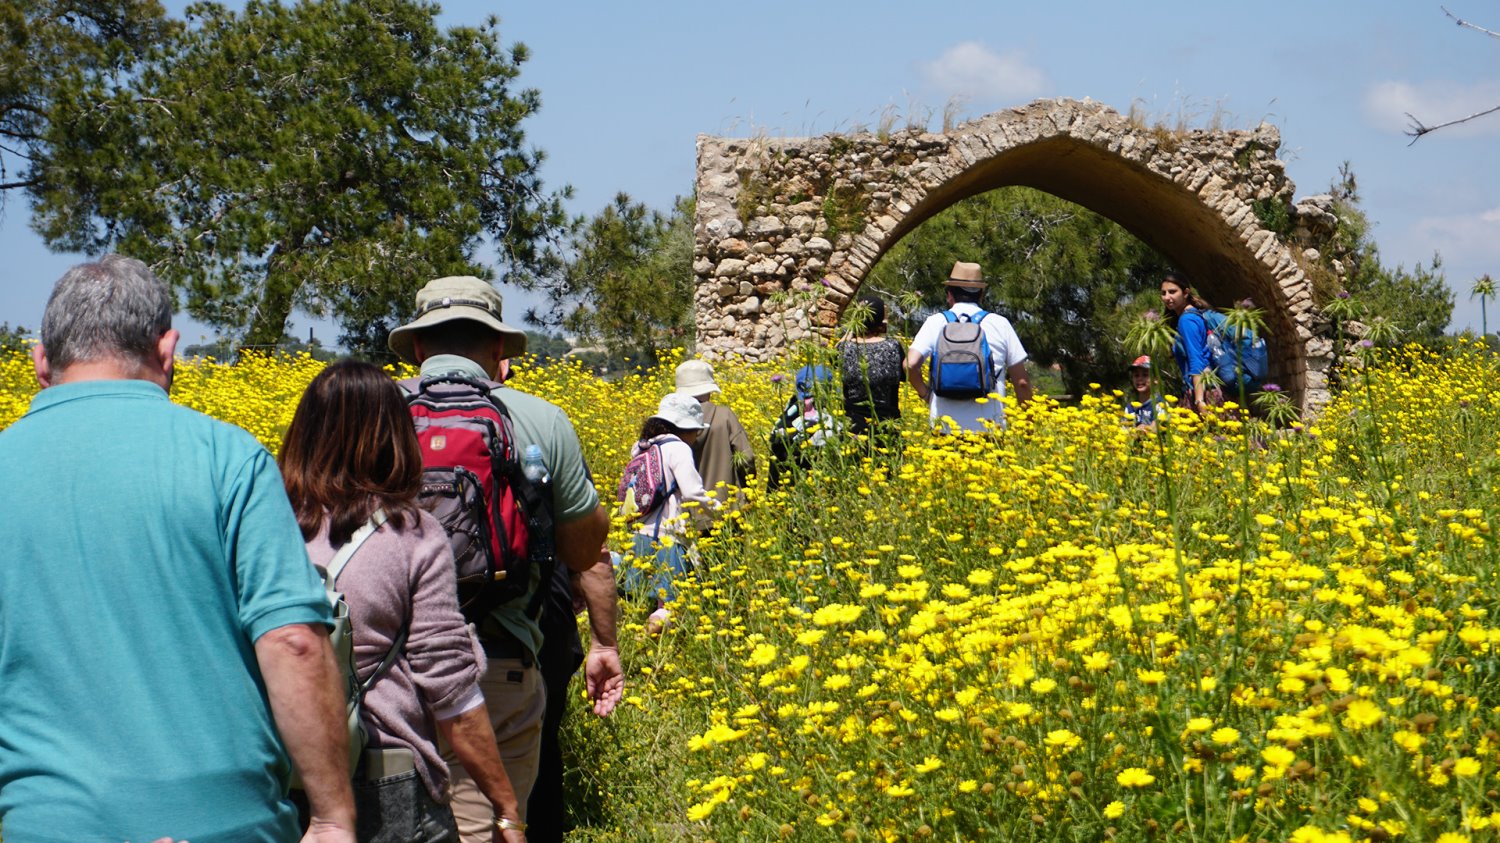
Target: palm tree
<point>1484,288</point>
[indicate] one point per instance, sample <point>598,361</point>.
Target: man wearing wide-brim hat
<point>1007,357</point>
<point>459,330</point>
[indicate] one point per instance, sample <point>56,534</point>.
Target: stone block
<point>733,247</point>
<point>763,267</point>
<point>837,283</point>
<point>730,268</point>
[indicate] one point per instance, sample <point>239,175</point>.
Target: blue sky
<point>626,88</point>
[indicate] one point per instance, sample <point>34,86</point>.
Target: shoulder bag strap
<point>377,518</point>
<point>346,552</point>
<point>397,647</point>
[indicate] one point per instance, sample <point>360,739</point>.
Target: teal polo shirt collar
<point>63,393</point>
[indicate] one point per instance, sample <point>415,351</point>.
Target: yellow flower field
<point>1071,631</point>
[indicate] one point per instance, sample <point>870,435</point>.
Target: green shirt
<point>539,422</point>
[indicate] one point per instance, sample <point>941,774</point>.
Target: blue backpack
<point>961,365</point>
<point>1238,355</point>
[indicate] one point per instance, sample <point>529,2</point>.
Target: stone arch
<point>787,228</point>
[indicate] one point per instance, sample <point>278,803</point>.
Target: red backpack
<point>499,524</point>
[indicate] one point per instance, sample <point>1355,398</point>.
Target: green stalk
<point>1164,445</point>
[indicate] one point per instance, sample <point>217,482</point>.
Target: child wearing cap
<point>1142,409</point>
<point>659,534</point>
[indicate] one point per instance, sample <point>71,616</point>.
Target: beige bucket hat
<point>967,276</point>
<point>452,298</point>
<point>695,378</point>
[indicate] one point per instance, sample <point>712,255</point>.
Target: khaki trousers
<point>517,700</point>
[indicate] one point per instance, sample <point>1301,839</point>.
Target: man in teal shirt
<point>458,331</point>
<point>163,638</point>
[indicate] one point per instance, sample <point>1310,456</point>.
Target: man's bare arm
<point>302,682</point>
<point>579,544</point>
<point>914,375</point>
<point>473,741</point>
<point>1021,380</point>
<point>579,540</point>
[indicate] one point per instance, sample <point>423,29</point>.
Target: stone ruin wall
<point>787,228</point>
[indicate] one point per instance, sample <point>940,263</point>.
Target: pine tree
<point>331,155</point>
<point>62,50</point>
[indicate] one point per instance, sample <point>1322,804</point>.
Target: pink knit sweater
<point>395,576</point>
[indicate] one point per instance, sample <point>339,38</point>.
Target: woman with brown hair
<point>352,469</point>
<point>1185,309</point>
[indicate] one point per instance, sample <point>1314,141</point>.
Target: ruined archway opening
<point>1070,280</point>
<point>1169,226</point>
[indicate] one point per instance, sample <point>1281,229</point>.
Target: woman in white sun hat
<point>660,479</point>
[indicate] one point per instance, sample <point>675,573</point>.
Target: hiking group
<point>167,593</point>
<point>959,363</point>
<point>372,637</point>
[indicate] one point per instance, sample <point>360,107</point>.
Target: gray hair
<point>114,307</point>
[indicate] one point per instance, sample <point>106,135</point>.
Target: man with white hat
<point>722,453</point>
<point>1007,357</point>
<point>458,331</point>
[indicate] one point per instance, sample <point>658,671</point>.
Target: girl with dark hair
<point>352,469</point>
<point>1184,310</point>
<point>871,366</point>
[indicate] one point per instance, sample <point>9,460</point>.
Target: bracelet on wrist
<point>508,824</point>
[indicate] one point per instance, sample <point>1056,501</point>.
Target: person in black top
<point>872,370</point>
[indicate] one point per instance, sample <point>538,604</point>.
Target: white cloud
<point>1387,105</point>
<point>1463,239</point>
<point>973,71</point>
